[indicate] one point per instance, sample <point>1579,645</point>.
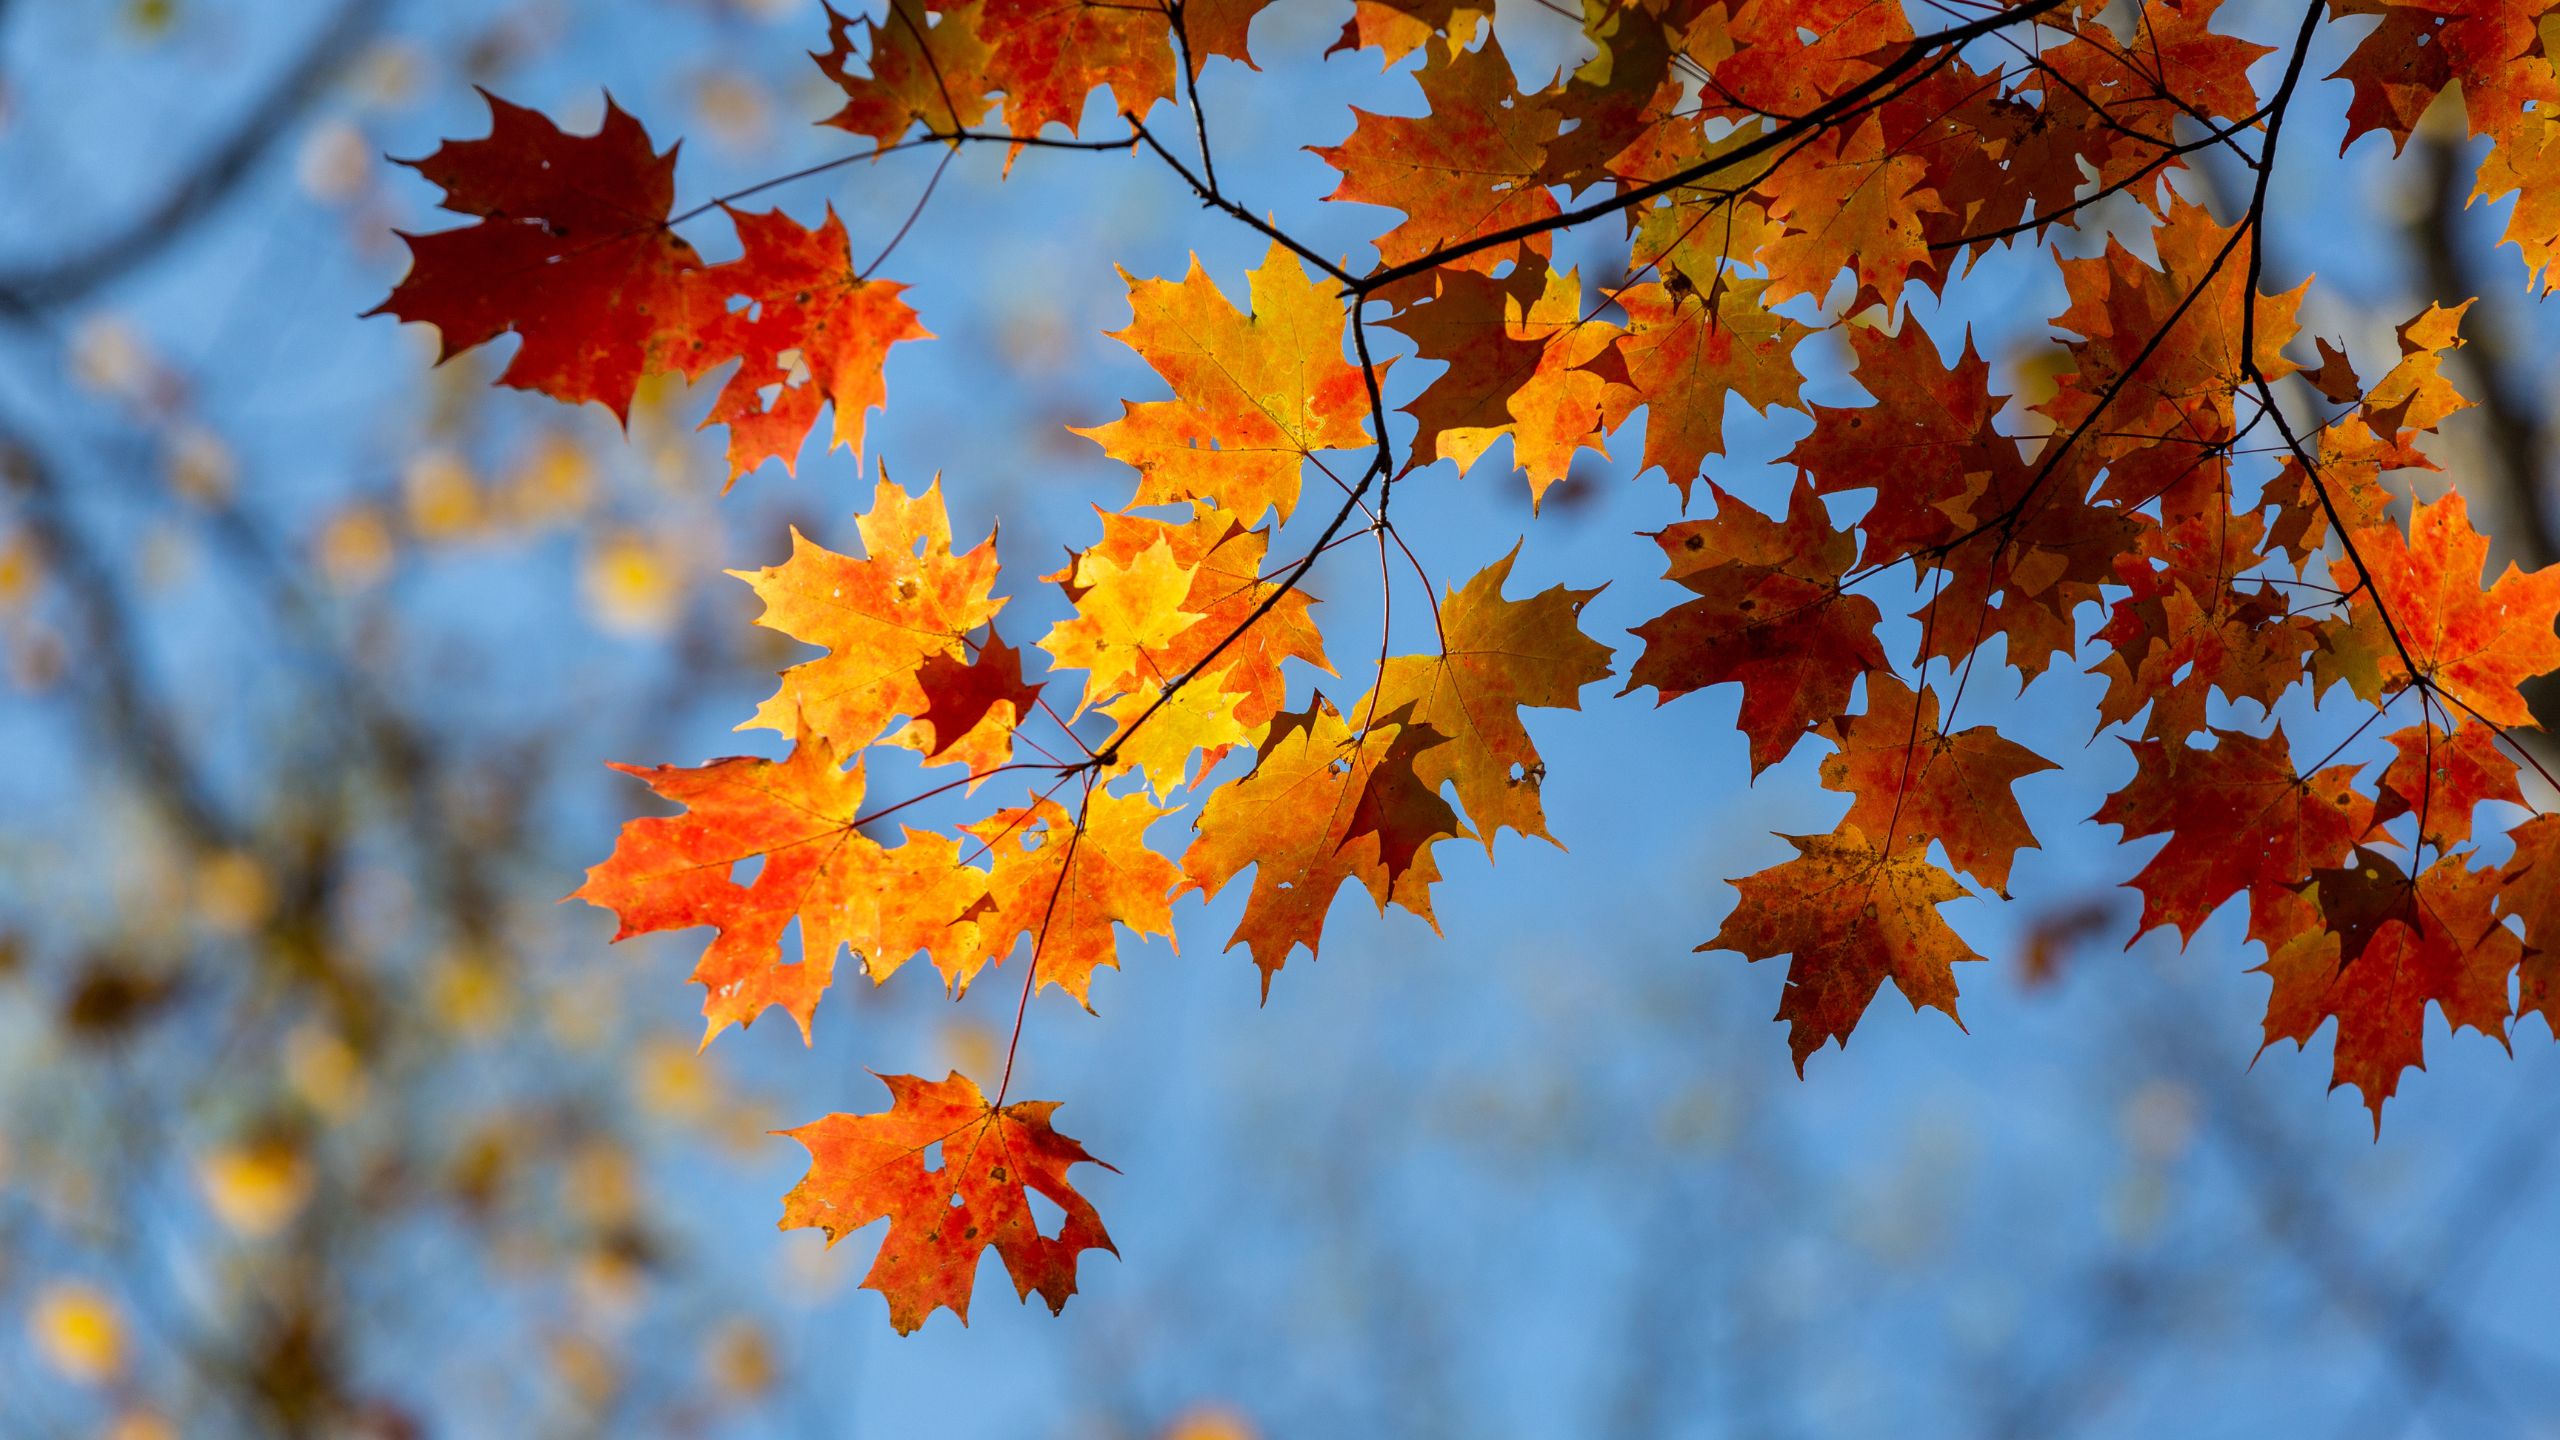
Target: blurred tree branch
<point>207,184</point>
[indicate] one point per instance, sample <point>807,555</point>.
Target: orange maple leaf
<point>812,333</point>
<point>881,618</point>
<point>1852,916</point>
<point>798,816</point>
<point>2442,778</point>
<point>1469,165</point>
<point>2476,644</point>
<point>1065,880</point>
<point>1323,807</point>
<point>1521,353</point>
<point>2369,947</point>
<point>1914,784</point>
<point>1687,349</point>
<point>952,1175</point>
<point>2238,819</point>
<point>921,71</point>
<point>1256,392</point>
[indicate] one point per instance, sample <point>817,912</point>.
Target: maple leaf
<point>1685,350</point>
<point>2492,48</point>
<point>571,253</point>
<point>799,816</point>
<point>1323,807</point>
<point>1248,626</point>
<point>880,618</point>
<point>1520,365</point>
<point>812,332</point>
<point>1220,27</point>
<point>1065,881</point>
<point>952,1175</point>
<point>922,71</point>
<point>1925,447</point>
<point>2529,891</point>
<point>1123,612</point>
<point>1915,784</point>
<point>2474,644</point>
<point>971,707</point>
<point>2238,819</point>
<point>1497,655</point>
<point>1787,59</point>
<point>2373,952</point>
<point>2442,778</point>
<point>2186,629</point>
<point>1470,165</point>
<point>1158,736</point>
<point>1771,616</point>
<point>1255,392</point>
<point>1849,203</point>
<point>2414,394</point>
<point>2180,387</point>
<point>2349,458</point>
<point>2524,162</point>
<point>1852,916</point>
<point>1397,28</point>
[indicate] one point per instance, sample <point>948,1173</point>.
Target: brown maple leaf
<point>1770,616</point>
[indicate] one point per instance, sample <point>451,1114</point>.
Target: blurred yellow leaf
<point>671,1078</point>
<point>442,497</point>
<point>21,570</point>
<point>109,357</point>
<point>742,1360</point>
<point>585,1370</point>
<point>355,548</point>
<point>79,1332</point>
<point>732,109</point>
<point>202,469</point>
<point>598,1186</point>
<point>140,1425</point>
<point>554,480</point>
<point>970,1047</point>
<point>1209,1422</point>
<point>255,1189</point>
<point>233,895</point>
<point>631,585</point>
<point>335,162</point>
<point>150,19</point>
<point>324,1071</point>
<point>387,76</point>
<point>468,994</point>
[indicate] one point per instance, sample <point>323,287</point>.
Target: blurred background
<point>320,1116</point>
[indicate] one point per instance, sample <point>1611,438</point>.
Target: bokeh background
<point>319,1115</point>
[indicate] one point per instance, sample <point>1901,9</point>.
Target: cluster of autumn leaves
<point>1754,153</point>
